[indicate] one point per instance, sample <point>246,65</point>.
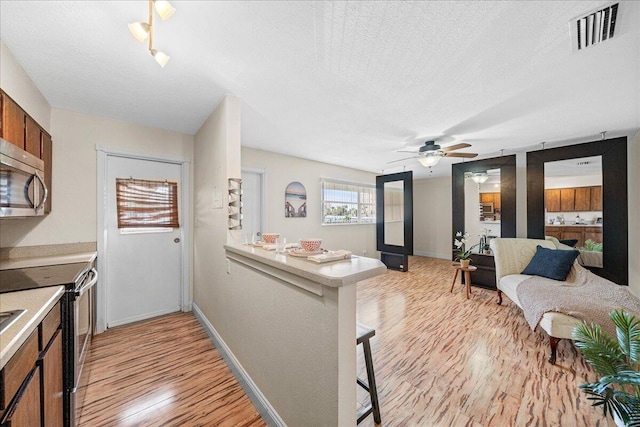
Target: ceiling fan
<point>430,153</point>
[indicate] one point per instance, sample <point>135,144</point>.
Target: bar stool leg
<point>373,390</point>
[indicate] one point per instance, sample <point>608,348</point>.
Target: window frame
<point>360,188</point>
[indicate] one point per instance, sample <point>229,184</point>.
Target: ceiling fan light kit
<point>430,158</point>
<point>144,30</point>
<point>430,153</point>
<point>480,177</point>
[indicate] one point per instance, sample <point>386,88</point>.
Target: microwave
<point>23,192</point>
<point>486,208</point>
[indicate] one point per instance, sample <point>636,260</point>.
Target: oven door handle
<point>88,285</point>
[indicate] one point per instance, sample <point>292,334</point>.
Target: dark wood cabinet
<point>20,129</point>
<point>576,199</point>
<point>596,198</point>
<point>31,383</point>
<point>567,199</point>
<point>582,199</point>
<point>52,382</point>
<point>32,137</point>
<point>580,233</point>
<point>47,157</point>
<point>13,120</point>
<point>25,411</point>
<point>552,200</point>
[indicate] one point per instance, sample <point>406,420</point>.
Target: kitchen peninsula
<point>288,320</point>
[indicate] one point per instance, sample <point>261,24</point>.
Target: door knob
<point>176,240</point>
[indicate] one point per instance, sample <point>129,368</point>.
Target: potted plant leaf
<point>617,361</point>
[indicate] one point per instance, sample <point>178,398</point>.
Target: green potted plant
<point>464,255</point>
<point>617,361</point>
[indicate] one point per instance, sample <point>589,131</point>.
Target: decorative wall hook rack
<point>235,204</point>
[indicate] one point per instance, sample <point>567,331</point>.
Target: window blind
<point>142,203</point>
<point>347,203</point>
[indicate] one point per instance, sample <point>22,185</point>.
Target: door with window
<point>144,249</point>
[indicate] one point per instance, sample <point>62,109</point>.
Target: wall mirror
<point>394,213</point>
<point>482,207</point>
<point>484,198</point>
<point>578,193</point>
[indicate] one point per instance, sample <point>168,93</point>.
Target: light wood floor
<point>443,360</point>
<point>162,372</point>
<point>440,360</point>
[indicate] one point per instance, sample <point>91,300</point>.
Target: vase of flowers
<point>464,254</point>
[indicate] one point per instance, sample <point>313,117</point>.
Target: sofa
<point>511,257</point>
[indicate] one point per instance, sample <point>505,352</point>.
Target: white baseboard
<point>432,255</point>
<point>258,399</point>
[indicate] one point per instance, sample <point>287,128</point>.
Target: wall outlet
<point>228,266</point>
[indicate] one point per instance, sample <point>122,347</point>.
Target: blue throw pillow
<point>551,263</point>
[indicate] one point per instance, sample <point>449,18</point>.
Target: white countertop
<point>573,225</point>
<point>10,264</point>
<point>332,274</point>
<point>38,303</point>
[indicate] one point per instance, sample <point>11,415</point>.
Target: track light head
<point>161,57</point>
<point>164,9</point>
<point>140,30</point>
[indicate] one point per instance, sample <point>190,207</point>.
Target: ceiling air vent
<point>593,28</point>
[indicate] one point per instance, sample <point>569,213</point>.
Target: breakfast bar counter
<point>332,274</point>
<point>288,325</point>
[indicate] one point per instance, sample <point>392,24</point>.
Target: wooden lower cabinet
<point>52,385</point>
<point>579,233</point>
<point>31,386</point>
<point>23,413</point>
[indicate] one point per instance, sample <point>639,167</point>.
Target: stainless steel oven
<point>82,303</point>
<point>22,188</point>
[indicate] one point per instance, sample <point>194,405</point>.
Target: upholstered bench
<point>511,257</point>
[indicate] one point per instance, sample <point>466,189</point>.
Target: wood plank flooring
<point>440,360</point>
<point>443,360</point>
<point>162,372</point>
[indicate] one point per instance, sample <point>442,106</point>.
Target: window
<point>347,202</point>
<point>146,204</point>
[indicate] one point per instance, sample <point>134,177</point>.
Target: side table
<point>467,276</point>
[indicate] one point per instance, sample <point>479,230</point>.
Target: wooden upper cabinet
<point>47,155</point>
<point>496,201</point>
<point>32,133</point>
<point>486,197</point>
<point>13,122</point>
<point>596,198</point>
<point>567,199</point>
<point>552,200</point>
<point>583,199</point>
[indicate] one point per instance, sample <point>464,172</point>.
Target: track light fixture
<point>144,30</point>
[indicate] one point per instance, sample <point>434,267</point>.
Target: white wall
<point>432,209</point>
<point>74,186</point>
<point>282,170</point>
<point>19,86</point>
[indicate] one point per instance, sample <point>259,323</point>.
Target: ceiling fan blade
<point>409,150</point>
<point>455,147</point>
<point>465,155</point>
<point>401,160</point>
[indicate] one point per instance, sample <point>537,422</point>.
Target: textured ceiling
<point>348,83</point>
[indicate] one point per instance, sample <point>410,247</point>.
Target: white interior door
<point>143,277</point>
<point>252,202</point>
